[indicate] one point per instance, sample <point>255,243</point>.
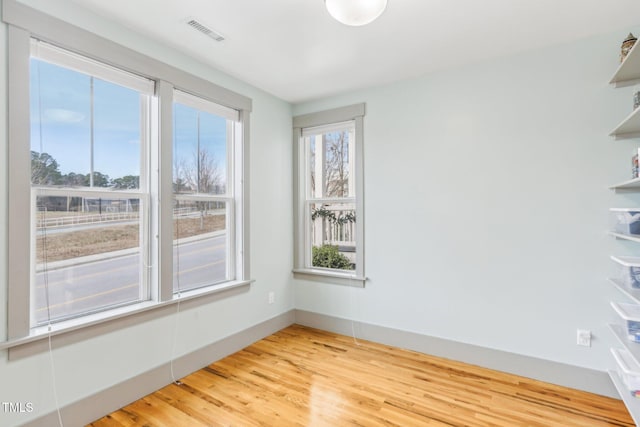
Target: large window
<point>328,148</point>
<point>89,132</point>
<point>128,188</point>
<point>202,192</point>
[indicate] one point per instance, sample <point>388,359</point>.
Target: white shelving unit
<point>627,74</point>
<point>633,294</point>
<point>634,348</point>
<point>629,128</point>
<point>628,400</point>
<point>632,184</point>
<point>631,237</point>
<point>632,403</point>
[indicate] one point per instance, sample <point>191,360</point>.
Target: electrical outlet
<point>272,297</point>
<point>584,337</point>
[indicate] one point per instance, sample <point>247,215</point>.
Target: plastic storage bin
<point>628,370</point>
<point>628,271</point>
<point>625,220</point>
<point>629,315</point>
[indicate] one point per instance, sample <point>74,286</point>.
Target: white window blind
<point>50,53</point>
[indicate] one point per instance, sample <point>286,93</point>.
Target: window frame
<point>327,118</point>
<point>25,23</point>
<point>51,54</point>
<point>231,116</point>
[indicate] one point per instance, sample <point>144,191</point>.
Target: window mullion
<point>146,230</point>
<point>353,176</point>
<point>319,165</point>
<point>332,200</point>
<point>359,188</point>
<point>19,256</point>
<point>231,242</point>
<point>230,170</point>
<point>164,192</point>
<point>241,196</point>
<point>299,160</point>
<point>204,197</point>
<point>87,192</point>
<point>308,240</point>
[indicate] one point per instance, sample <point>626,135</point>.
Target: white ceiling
<point>296,51</point>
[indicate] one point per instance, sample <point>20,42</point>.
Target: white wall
<point>486,203</point>
<point>486,216</point>
<point>87,367</point>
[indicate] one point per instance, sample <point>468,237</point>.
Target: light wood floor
<point>306,377</point>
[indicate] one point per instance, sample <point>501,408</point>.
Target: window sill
<point>328,276</point>
<point>89,325</point>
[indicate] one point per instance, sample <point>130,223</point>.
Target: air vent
<point>205,30</point>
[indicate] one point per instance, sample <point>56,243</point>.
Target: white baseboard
<point>106,401</point>
<point>557,373</point>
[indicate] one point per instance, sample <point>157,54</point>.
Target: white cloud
<point>60,115</point>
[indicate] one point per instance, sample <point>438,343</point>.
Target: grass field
<point>108,238</point>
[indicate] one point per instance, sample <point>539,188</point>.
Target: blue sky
<point>61,124</point>
<point>212,136</point>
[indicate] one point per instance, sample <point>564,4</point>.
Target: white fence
<point>334,230</point>
<point>73,220</point>
<point>44,222</point>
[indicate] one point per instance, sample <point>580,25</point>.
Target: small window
<point>330,204</point>
<point>329,198</point>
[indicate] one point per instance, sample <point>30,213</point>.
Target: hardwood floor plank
<point>155,411</point>
<point>302,377</point>
<point>108,421</point>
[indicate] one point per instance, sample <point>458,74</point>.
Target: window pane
<point>89,251</point>
<point>329,164</point>
<point>117,125</point>
<point>200,244</point>
<point>333,239</point>
<point>84,131</point>
<point>200,151</point>
<point>88,255</point>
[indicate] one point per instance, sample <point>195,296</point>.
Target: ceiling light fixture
<point>355,12</point>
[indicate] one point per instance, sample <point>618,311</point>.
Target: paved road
<point>81,288</point>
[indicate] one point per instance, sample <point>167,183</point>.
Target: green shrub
<point>328,256</point>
